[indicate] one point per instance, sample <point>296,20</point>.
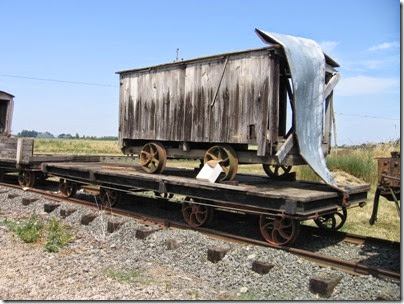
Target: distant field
<point>76,146</point>
<point>345,164</point>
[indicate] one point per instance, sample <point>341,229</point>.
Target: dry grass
<point>76,146</point>
<point>387,225</point>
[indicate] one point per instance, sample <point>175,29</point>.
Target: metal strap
<point>220,82</point>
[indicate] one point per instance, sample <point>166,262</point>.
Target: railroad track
<point>324,260</point>
<point>354,238</point>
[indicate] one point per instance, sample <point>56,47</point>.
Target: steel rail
<point>348,266</point>
<point>336,263</point>
<point>354,238</point>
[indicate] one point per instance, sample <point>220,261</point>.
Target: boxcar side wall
<point>6,113</point>
<point>177,102</point>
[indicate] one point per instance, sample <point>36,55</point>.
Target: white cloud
<point>361,66</point>
<point>372,64</point>
<point>365,85</point>
<point>384,46</point>
<point>328,46</point>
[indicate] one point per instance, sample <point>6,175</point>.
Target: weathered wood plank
<point>19,153</point>
<point>4,146</point>
<point>284,149</point>
<point>16,148</point>
<point>328,112</point>
<point>13,146</point>
<point>331,84</point>
<point>274,107</point>
<point>282,106</point>
<point>64,158</point>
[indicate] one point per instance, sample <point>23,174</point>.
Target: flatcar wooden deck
<point>248,193</point>
<point>18,153</point>
<point>35,161</point>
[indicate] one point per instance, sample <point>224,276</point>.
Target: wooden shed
<point>218,99</point>
<point>230,108</point>
<point>6,113</point>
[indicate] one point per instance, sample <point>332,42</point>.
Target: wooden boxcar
<point>17,154</point>
<point>6,113</point>
<point>230,107</point>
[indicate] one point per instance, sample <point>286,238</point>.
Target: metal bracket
<point>345,201</point>
<point>290,206</point>
<point>162,187</point>
<point>220,82</point>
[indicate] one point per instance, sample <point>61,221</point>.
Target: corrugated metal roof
<point>267,39</point>
<point>306,62</point>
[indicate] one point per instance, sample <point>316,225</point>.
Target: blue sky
<point>88,41</point>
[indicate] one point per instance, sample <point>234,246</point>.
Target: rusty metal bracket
<point>345,200</point>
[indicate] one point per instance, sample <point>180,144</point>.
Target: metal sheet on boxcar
<point>307,67</point>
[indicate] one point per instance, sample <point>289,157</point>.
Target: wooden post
<point>282,106</point>
<point>20,145</point>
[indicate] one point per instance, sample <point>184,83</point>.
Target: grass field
<point>348,165</point>
<point>76,146</point>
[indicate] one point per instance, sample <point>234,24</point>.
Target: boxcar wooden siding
<point>6,112</point>
<point>173,102</point>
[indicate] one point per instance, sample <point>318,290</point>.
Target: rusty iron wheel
<point>278,230</point>
<point>110,197</point>
<point>67,188</point>
<point>276,171</point>
<point>196,215</point>
<point>153,157</point>
<point>227,158</point>
<point>26,178</point>
<point>332,221</point>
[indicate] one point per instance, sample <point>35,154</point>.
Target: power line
<point>58,80</point>
<point>115,86</point>
<point>368,116</point>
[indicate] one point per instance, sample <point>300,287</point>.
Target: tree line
<point>36,134</point>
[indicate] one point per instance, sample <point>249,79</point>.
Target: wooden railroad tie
<point>27,201</point>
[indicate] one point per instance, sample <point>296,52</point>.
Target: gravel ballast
<point>98,265</point>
